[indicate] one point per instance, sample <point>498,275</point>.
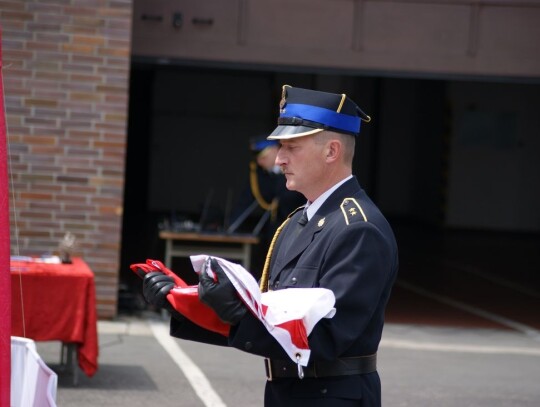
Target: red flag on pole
<point>5,275</point>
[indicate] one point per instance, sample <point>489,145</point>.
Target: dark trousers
<point>358,391</point>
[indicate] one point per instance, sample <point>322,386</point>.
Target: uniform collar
<point>313,207</point>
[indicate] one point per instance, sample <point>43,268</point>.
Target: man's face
<point>266,158</point>
<point>303,163</point>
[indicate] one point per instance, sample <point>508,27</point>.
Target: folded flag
<point>289,315</point>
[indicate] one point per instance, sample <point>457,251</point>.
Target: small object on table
<point>67,247</point>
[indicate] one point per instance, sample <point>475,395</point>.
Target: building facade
<point>66,68</point>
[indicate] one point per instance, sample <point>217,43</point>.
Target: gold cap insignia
<point>283,101</point>
<point>282,104</point>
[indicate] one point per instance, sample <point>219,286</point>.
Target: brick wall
<point>66,71</point>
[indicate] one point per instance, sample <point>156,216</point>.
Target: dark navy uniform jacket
<point>349,248</point>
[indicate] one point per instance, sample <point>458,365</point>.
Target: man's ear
<point>333,150</point>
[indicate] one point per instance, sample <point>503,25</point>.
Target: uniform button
<point>324,391</point>
<point>294,280</point>
<point>248,346</point>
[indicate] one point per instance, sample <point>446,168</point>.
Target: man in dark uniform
<point>265,202</point>
<point>340,241</point>
<point>266,191</point>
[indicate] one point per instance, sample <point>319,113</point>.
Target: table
<point>56,302</point>
<point>228,246</point>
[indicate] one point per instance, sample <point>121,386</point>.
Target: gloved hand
<point>156,286</point>
<point>220,295</point>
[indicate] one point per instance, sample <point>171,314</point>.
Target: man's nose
<point>280,159</point>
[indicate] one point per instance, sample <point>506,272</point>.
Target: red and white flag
<point>289,315</point>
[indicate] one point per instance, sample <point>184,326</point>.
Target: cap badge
<point>283,101</point>
<point>282,104</point>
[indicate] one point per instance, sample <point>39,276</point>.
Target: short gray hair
<point>347,141</point>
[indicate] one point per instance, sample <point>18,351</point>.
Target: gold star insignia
<point>352,211</point>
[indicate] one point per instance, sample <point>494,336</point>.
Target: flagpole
<point>5,274</point>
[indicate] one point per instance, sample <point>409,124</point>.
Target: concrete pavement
<point>419,366</point>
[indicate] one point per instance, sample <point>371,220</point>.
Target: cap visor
<point>287,132</point>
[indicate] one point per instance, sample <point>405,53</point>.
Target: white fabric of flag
<point>289,315</point>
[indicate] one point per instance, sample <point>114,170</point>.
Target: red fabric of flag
<point>185,298</point>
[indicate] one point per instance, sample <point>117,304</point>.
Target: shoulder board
<point>352,211</point>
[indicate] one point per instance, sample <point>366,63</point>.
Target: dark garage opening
<point>450,162</point>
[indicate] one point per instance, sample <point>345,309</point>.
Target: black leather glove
<point>220,295</point>
<point>156,286</point>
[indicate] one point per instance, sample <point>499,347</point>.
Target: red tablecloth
<point>59,304</point>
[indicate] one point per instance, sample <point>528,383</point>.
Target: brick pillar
<point>66,71</point>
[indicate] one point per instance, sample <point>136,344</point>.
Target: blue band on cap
<point>324,116</point>
<point>261,145</point>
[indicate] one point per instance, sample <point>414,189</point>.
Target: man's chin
<point>291,186</point>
